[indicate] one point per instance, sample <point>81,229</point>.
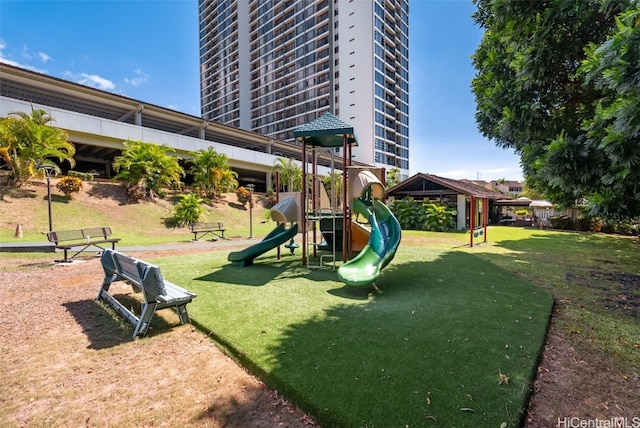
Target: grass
<point>594,277</point>
<point>104,204</point>
<point>432,346</point>
<point>429,346</point>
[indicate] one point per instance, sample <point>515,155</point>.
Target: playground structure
<point>327,216</point>
<point>283,212</point>
<point>478,218</point>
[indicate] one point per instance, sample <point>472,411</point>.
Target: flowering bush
<point>243,195</point>
<point>69,185</point>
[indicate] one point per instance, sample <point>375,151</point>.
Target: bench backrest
<point>144,275</point>
<point>108,264</point>
<point>78,234</point>
<point>206,226</point>
<point>127,268</point>
<point>152,279</point>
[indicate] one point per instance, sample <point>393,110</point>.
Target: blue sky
<point>148,50</point>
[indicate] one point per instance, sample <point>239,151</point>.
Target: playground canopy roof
<point>326,131</point>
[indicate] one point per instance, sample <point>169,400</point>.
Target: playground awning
<point>326,131</point>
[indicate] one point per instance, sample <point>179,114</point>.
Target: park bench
<point>81,238</point>
<point>215,227</point>
<point>157,292</point>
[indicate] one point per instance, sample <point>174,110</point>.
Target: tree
<point>146,168</point>
<point>532,96</point>
<point>212,173</point>
<point>614,67</point>
<point>393,177</point>
<point>290,174</point>
<point>28,143</point>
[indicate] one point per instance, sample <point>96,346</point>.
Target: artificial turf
<point>446,339</point>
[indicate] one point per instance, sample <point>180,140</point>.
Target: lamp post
<point>250,187</point>
<point>47,171</point>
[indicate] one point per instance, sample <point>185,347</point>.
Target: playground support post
<point>251,187</point>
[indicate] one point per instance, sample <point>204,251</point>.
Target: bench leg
<point>106,283</point>
<point>148,310</point>
<point>183,314</point>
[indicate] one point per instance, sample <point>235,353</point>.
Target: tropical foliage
<point>333,181</point>
<point>393,177</point>
<point>438,218</point>
<point>28,145</point>
<point>415,215</point>
<point>290,174</point>
<point>188,210</point>
<point>558,82</point>
<point>146,168</point>
<point>212,173</point>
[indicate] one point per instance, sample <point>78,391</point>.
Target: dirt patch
<point>571,383</point>
<point>618,291</point>
<point>67,360</point>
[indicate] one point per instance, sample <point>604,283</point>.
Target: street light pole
<point>250,187</point>
<point>47,171</point>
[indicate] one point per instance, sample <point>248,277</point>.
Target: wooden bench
<point>214,227</point>
<point>158,293</point>
<point>81,238</point>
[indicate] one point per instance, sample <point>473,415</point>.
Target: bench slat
<point>84,238</point>
<point>158,293</point>
<point>205,228</point>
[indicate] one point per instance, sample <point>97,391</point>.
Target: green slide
<point>277,236</point>
<point>365,268</point>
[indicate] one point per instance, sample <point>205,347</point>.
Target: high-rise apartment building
<point>271,66</point>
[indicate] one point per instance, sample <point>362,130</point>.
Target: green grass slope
<point>105,204</point>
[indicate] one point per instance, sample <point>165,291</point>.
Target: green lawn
<point>449,338</point>
<point>428,349</point>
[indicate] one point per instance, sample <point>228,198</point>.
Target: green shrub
<point>622,227</point>
<point>409,213</point>
<point>438,218</point>
<point>585,224</point>
<point>416,215</point>
<point>69,186</point>
<point>562,223</point>
<point>188,210</point>
<point>84,176</point>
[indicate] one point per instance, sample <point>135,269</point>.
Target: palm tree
<point>334,180</point>
<point>28,143</point>
<point>146,167</point>
<point>290,174</point>
<point>212,173</point>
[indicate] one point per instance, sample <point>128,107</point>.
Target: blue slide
<point>385,237</point>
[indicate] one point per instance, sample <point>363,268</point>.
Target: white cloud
<point>92,80</point>
<point>26,52</point>
<point>44,57</point>
<point>139,80</point>
<point>5,60</point>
